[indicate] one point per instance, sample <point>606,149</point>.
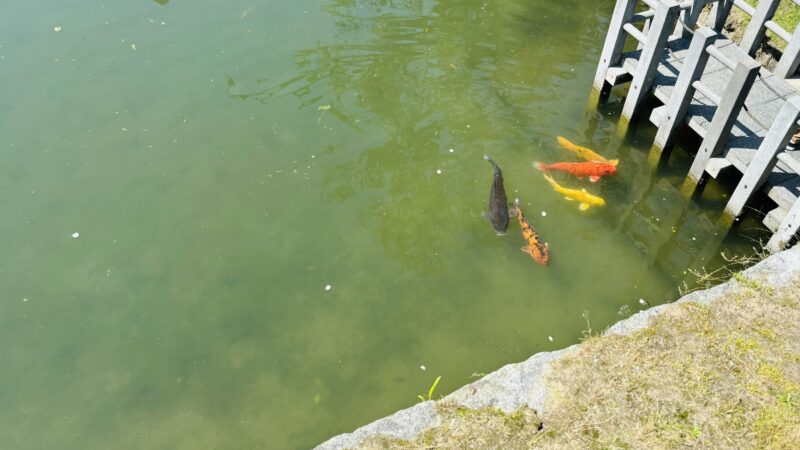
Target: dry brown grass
<point>470,429</point>
<point>720,377</point>
<point>726,376</point>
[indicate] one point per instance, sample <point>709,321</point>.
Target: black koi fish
<point>498,207</point>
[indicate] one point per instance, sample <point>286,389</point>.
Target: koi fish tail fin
<point>613,162</point>
<point>540,166</point>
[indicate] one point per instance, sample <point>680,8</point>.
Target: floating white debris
<point>550,338</point>
<point>25,299</point>
<point>133,46</point>
<point>451,150</point>
<point>423,368</point>
<point>438,171</point>
<point>642,301</point>
<point>544,213</point>
<point>76,235</point>
<point>328,287</point>
<point>56,29</point>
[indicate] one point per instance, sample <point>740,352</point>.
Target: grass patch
<point>726,376</point>
<point>469,428</point>
<point>716,377</point>
<point>732,268</point>
<point>787,16</point>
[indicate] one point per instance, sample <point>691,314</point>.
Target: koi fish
<point>586,199</point>
<point>594,170</point>
<point>536,247</point>
<point>498,209</point>
<point>584,152</point>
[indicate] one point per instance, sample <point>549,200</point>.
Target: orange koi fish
<point>583,152</point>
<point>536,247</point>
<point>594,170</point>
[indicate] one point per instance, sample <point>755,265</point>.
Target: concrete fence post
<point>754,33</point>
<point>719,14</point>
<point>787,65</point>
<point>727,112</point>
<point>615,40</point>
<point>689,17</point>
<point>764,161</point>
<point>650,58</point>
<point>786,229</point>
<point>693,66</point>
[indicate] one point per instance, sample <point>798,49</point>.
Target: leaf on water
<point>324,107</point>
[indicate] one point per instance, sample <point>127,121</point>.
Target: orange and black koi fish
<point>536,246</point>
<point>594,170</point>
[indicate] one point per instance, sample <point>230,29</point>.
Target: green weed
<point>430,391</point>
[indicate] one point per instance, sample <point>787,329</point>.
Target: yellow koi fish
<point>586,199</point>
<point>584,152</point>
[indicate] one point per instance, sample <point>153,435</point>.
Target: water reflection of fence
<point>671,231</point>
<point>744,114</point>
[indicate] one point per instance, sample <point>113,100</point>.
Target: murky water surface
<point>223,162</point>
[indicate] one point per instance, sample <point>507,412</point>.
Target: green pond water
<point>224,162</point>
